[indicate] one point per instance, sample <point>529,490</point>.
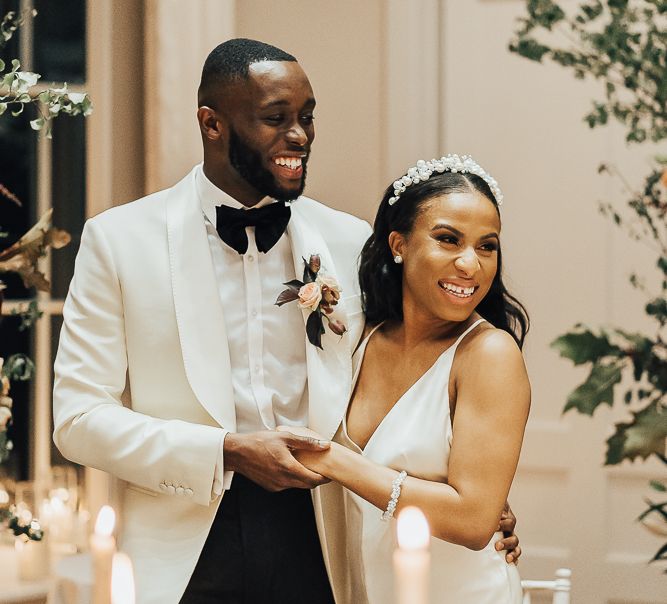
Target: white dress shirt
<point>266,342</point>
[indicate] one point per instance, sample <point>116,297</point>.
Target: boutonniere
<point>318,293</point>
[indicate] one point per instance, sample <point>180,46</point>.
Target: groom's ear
<point>396,243</point>
<point>212,127</point>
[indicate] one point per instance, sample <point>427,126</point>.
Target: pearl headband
<point>449,163</point>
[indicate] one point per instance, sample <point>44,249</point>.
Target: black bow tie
<point>269,221</point>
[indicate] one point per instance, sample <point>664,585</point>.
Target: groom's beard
<point>248,163</point>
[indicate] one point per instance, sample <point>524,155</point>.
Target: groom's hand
<point>266,459</point>
<point>509,542</point>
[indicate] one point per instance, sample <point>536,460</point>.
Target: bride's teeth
<point>462,292</point>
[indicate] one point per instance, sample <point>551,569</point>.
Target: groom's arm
<point>91,425</point>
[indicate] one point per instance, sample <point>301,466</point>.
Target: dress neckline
<point>362,351</point>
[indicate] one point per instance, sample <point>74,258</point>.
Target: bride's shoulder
<point>491,362</point>
<point>487,343</point>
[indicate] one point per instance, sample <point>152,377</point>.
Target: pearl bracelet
<point>388,514</point>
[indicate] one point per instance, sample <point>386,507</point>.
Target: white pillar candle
<point>102,550</point>
<point>122,580</point>
<point>33,558</point>
<point>412,558</point>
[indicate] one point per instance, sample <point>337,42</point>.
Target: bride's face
<point>450,257</point>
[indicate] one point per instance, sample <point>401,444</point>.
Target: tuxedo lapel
<point>201,325</point>
<point>329,368</point>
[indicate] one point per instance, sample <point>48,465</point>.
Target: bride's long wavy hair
<point>381,279</point>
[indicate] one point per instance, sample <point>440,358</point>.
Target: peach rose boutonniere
<point>318,293</point>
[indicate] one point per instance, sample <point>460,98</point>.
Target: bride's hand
<point>314,461</point>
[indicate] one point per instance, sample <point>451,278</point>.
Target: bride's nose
<point>467,262</point>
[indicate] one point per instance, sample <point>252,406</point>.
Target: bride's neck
<point>418,328</point>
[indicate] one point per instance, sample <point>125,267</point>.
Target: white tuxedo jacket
<point>143,378</point>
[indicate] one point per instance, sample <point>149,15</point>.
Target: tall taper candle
<point>412,558</point>
<point>102,549</point>
<point>122,580</point>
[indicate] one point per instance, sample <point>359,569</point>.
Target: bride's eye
<point>447,239</point>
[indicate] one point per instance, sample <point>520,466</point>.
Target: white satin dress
<point>416,436</point>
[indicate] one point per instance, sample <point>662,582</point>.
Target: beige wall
<point>341,51</point>
<point>568,264</point>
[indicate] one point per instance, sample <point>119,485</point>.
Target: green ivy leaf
<point>614,453</point>
<point>37,124</point>
<point>585,347</point>
<point>596,390</point>
<point>19,367</point>
<point>662,264</point>
<point>545,12</point>
<point>658,486</point>
<point>530,49</point>
<point>657,308</point>
<point>618,4</point>
<point>644,436</point>
<point>661,554</point>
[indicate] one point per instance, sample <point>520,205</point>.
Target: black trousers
<point>263,548</point>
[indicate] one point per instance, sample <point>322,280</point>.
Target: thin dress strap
<point>466,332</point>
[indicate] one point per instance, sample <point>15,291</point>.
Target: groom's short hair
<point>229,62</point>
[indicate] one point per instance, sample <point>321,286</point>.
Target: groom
<point>175,366</point>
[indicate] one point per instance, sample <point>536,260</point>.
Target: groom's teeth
<point>460,292</point>
<point>292,163</point>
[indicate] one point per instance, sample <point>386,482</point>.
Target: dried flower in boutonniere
<point>318,293</point>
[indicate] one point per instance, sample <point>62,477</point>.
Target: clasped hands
<point>296,457</point>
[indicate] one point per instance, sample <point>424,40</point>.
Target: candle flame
<point>106,521</point>
<point>122,580</point>
<point>412,529</point>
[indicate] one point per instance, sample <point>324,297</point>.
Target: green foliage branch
<point>623,45</point>
<point>18,90</point>
<point>17,87</point>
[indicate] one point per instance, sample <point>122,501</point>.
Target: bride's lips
<point>458,293</point>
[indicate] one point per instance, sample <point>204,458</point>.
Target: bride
<point>441,396</point>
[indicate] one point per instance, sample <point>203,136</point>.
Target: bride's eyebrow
<point>444,225</point>
<point>455,231</point>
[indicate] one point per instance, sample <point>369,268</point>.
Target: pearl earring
<point>398,259</point>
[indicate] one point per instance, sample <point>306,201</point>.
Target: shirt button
<point>256,368</point>
<point>254,312</point>
<point>251,258</point>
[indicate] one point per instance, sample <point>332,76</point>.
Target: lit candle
<point>411,558</point>
<point>122,580</point>
<point>102,549</point>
